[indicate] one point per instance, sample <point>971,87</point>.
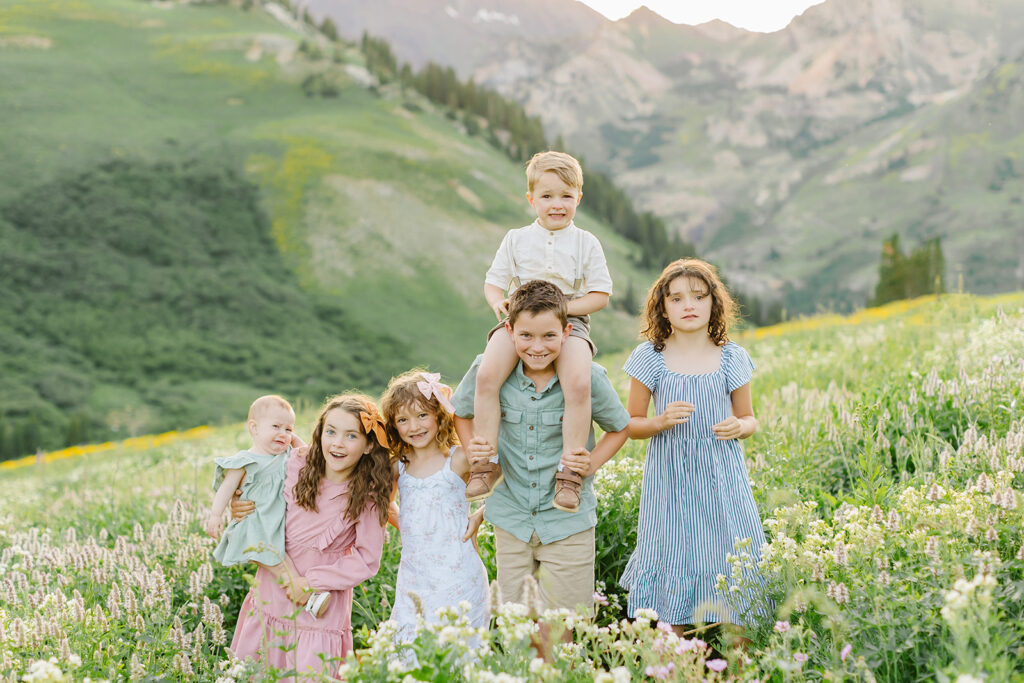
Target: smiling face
<point>688,305</point>
<point>272,431</point>
<point>538,339</point>
<point>416,425</point>
<point>343,443</point>
<point>554,201</point>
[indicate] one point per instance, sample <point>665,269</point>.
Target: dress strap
<point>448,460</point>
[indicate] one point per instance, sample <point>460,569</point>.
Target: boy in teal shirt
<point>531,536</point>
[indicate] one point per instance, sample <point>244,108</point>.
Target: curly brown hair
<point>724,311</point>
<point>401,392</point>
<point>371,480</point>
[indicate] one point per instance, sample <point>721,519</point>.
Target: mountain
<point>201,203</point>
<point>788,157</point>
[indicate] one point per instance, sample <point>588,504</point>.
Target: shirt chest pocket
<point>511,430</point>
<point>551,429</point>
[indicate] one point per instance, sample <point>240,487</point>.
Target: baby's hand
<point>479,451</point>
<point>214,525</point>
<point>729,428</point>
<point>501,309</point>
<point>676,413</point>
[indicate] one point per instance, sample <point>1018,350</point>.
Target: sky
<point>754,15</point>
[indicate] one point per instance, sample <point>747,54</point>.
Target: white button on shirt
<point>536,253</point>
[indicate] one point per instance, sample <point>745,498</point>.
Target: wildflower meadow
<point>888,470</point>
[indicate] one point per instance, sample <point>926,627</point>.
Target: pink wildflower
<point>600,599</point>
<point>684,646</point>
<point>716,664</point>
<point>782,626</point>
<point>664,627</point>
<point>847,649</point>
<point>800,657</point>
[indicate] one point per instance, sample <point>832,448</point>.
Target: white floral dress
<point>436,564</point>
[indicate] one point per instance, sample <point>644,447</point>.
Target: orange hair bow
<point>373,423</point>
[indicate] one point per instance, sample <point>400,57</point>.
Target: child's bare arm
<point>392,505</point>
<point>643,427</point>
<point>742,423</point>
<point>464,428</point>
<point>460,463</point>
<point>215,522</point>
<point>607,446</point>
<point>591,302</point>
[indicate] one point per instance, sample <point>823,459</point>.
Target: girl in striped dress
<point>695,501</point>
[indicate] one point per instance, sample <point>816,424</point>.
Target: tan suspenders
<point>516,282</point>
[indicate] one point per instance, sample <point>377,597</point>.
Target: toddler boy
<point>552,248</point>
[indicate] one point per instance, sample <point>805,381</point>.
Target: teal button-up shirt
<point>530,448</point>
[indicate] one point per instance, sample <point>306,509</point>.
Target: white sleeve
<point>596,277</point>
<point>500,273</point>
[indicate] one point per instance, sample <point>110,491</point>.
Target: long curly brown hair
<point>401,392</point>
<point>371,480</point>
<point>724,311</point>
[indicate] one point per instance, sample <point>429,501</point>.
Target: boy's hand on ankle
<point>578,461</point>
<point>479,451</point>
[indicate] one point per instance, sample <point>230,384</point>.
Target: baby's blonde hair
<point>261,405</point>
<point>561,164</point>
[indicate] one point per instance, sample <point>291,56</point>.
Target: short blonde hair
<point>261,405</point>
<point>561,164</point>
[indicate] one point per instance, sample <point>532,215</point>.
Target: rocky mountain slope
<point>787,157</point>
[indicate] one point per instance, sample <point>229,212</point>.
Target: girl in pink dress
<point>337,491</point>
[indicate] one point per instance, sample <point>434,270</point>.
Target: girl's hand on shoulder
<point>729,428</point>
<point>676,413</point>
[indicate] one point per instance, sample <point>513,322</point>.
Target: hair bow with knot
<point>432,386</point>
<point>373,423</point>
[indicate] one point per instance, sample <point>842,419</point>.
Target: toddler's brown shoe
<point>567,490</point>
<point>482,480</point>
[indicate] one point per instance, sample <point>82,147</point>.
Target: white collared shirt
<point>536,253</point>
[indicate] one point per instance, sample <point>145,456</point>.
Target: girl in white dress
<point>440,563</point>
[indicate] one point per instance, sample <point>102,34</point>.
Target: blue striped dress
<point>695,499</point>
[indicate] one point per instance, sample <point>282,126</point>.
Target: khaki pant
<point>564,569</point>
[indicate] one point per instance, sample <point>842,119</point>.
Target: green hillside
<point>887,469</point>
<point>183,227</point>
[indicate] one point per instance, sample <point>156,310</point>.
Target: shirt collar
<point>525,383</point>
<point>567,229</point>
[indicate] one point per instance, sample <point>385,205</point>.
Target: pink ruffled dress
<point>334,553</point>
